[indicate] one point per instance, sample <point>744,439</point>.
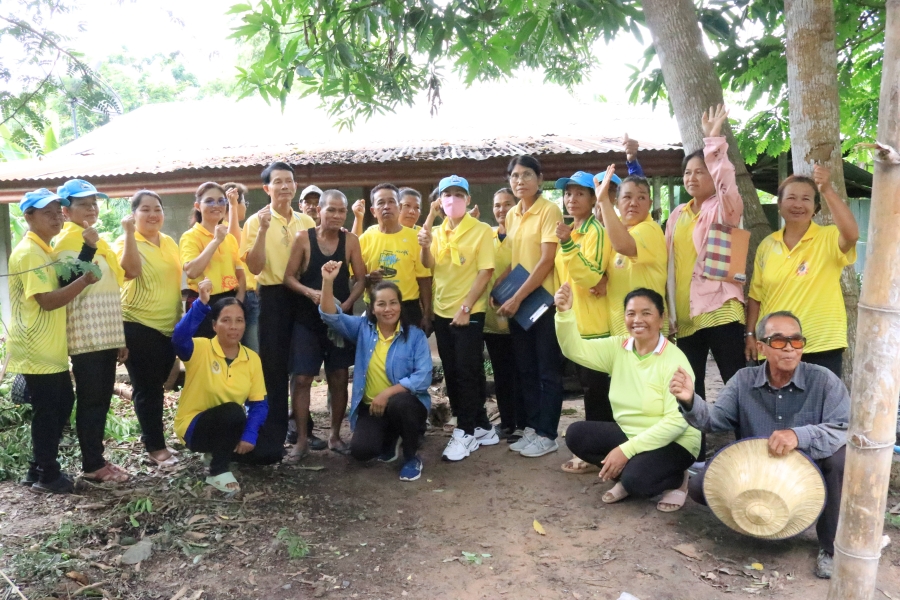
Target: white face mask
<point>454,207</point>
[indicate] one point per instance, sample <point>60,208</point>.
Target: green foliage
<point>297,547</point>
<point>109,221</point>
<point>38,565</point>
<point>473,558</point>
<point>137,507</point>
<point>15,436</point>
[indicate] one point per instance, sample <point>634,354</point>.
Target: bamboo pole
<point>873,414</point>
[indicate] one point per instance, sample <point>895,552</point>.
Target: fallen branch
<point>14,586</point>
<point>87,588</point>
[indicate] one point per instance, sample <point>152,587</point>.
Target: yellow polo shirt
<point>154,298</point>
<point>397,255</point>
<point>376,376</point>
<point>473,244</point>
<point>494,323</point>
<point>210,381</point>
<point>279,238</point>
<point>37,337</point>
<point>582,262</point>
<point>529,229</point>
<point>685,260</point>
<point>806,281</point>
<point>249,277</point>
<point>224,264</point>
<point>646,270</point>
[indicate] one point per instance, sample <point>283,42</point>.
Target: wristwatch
<point>466,309</point>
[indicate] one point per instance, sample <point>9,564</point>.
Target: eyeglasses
<point>523,177</point>
<point>779,342</point>
<point>215,201</point>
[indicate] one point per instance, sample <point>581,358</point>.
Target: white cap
<point>310,189</point>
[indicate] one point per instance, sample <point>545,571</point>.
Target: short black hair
<point>384,186</point>
<point>692,155</point>
<point>651,295</point>
<point>408,191</point>
<point>817,200</point>
<point>636,180</point>
<point>266,175</point>
<point>526,160</point>
<point>216,309</point>
<point>139,197</point>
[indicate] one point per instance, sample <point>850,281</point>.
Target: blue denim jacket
<point>408,360</point>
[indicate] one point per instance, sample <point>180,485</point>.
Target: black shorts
<point>311,347</point>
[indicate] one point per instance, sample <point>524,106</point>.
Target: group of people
<point>270,302</point>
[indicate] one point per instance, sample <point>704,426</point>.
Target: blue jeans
<point>251,318</point>
<point>539,366</point>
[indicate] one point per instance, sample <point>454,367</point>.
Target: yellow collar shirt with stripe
<point>154,298</point>
<point>279,238</point>
<point>639,386</point>
<point>527,230</point>
<point>806,281</point>
<point>685,261</point>
<point>397,256</point>
<point>209,381</point>
<point>376,375</point>
<point>646,270</point>
<point>459,255</point>
<point>494,323</point>
<point>582,261</point>
<point>224,264</point>
<point>94,316</point>
<point>37,337</point>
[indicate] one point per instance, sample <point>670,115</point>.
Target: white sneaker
<point>486,437</point>
<point>539,447</point>
<point>459,446</point>
<point>528,436</point>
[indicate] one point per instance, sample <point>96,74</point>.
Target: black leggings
<point>506,385</point>
<point>404,417</point>
<point>51,405</point>
<point>596,394</point>
<point>646,474</point>
<point>150,360</point>
<point>727,345</point>
<point>95,377</point>
<point>218,430</point>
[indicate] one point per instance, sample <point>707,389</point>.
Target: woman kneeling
<point>391,375</point>
<point>220,376</point>
<point>649,446</point>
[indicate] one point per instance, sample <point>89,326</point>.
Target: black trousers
<point>218,430</point>
<point>95,377</point>
<point>832,471</point>
<point>646,474</point>
<point>596,394</point>
<point>833,360</point>
<point>462,356</point>
<point>52,399</point>
<point>412,310</point>
<point>727,345</point>
<point>539,368</point>
<point>404,418</point>
<point>150,360</point>
<point>506,385</point>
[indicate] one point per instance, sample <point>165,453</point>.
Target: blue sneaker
<point>412,470</point>
<point>392,454</point>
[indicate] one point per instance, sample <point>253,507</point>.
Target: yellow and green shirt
<point>582,261</point>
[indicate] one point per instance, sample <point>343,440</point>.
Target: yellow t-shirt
<point>154,298</point>
<point>581,262</point>
<point>646,270</point>
<point>494,323</point>
<point>472,246</point>
<point>806,281</point>
<point>224,264</point>
<point>397,255</point>
<point>37,337</point>
<point>528,230</point>
<point>249,277</point>
<point>279,238</point>
<point>376,376</point>
<point>685,260</point>
<point>210,381</point>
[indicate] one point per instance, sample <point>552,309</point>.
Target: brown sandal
<point>614,494</point>
<point>108,473</point>
<point>578,466</point>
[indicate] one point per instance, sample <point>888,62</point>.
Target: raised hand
<point>204,288</point>
<point>475,211</point>
<point>221,232</point>
<point>601,188</point>
<point>128,223</point>
<point>713,119</point>
<point>563,298</point>
<point>265,217</point>
<point>631,148</point>
<point>682,387</point>
<point>330,270</point>
<point>359,209</point>
<point>563,231</point>
<point>233,196</point>
<point>90,235</point>
<point>424,237</point>
<point>822,177</point>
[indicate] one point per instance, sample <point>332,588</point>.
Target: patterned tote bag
<point>726,252</point>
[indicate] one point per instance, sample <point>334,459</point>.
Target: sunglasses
<point>215,201</point>
<point>779,342</point>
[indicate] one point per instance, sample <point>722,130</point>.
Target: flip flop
<point>614,494</point>
<point>108,473</point>
<point>343,449</point>
<point>221,481</point>
<point>674,498</point>
<point>578,466</point>
<point>294,456</point>
<point>163,464</point>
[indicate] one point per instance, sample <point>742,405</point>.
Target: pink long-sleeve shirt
<point>708,294</point>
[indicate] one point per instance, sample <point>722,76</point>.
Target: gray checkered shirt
<point>815,404</point>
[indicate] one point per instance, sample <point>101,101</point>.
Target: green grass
<point>297,547</point>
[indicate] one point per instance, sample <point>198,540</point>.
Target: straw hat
<point>764,496</point>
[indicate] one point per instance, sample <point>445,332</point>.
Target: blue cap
<point>39,199</point>
<point>79,188</point>
<point>579,178</point>
<point>614,179</point>
<point>453,180</point>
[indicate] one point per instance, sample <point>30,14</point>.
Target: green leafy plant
<point>137,507</point>
<point>473,558</point>
<point>297,547</point>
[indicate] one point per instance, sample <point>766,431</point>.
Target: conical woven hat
<point>763,496</point>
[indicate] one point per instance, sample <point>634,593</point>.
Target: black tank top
<point>308,313</point>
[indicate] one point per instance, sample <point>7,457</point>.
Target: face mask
<point>454,207</point>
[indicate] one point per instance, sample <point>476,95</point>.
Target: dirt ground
<point>464,530</point>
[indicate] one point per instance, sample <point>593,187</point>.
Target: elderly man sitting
<point>797,406</point>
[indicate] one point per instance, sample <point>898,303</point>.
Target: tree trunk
<point>814,110</point>
<point>873,414</point>
<point>693,87</point>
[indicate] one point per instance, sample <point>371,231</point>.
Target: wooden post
<point>5,251</point>
<point>873,414</point>
<point>657,192</point>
